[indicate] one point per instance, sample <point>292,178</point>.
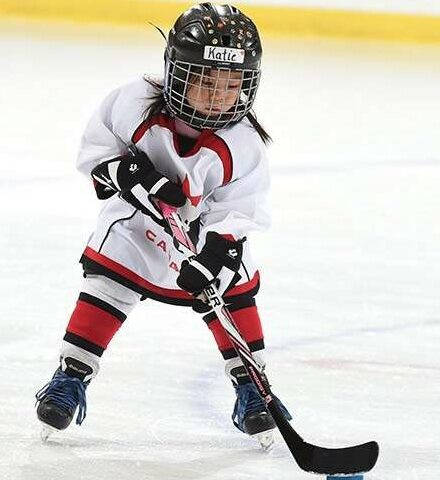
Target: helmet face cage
<point>204,96</point>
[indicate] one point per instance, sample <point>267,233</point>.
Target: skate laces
<point>67,393</point>
<point>248,401</point>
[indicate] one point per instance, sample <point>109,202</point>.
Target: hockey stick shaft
<point>211,293</point>
<point>312,458</point>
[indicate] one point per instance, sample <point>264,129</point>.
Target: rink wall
<point>274,18</point>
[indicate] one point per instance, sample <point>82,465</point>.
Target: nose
<point>217,94</point>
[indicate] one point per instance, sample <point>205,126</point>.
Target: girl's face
<point>214,92</point>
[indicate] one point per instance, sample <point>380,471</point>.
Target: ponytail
<point>258,128</point>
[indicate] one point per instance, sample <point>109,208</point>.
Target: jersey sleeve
<point>241,205</point>
<point>99,142</point>
<point>108,133</point>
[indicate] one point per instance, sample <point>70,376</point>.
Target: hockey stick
<point>311,458</point>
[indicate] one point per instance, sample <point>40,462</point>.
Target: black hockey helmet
<point>222,44</point>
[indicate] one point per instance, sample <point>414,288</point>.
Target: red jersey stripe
<point>220,147</point>
<point>134,277</point>
<point>150,287</point>
<point>207,139</point>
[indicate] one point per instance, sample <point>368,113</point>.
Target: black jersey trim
<point>92,267</point>
<point>245,270</point>
<point>111,226</point>
<point>101,265</point>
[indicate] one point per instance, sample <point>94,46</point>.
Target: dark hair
<point>158,104</point>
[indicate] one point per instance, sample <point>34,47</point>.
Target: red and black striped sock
<point>247,321</point>
<point>93,324</point>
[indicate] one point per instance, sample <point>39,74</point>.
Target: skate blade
<point>46,432</point>
<point>265,439</point>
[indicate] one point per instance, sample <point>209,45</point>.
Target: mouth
<point>211,111</point>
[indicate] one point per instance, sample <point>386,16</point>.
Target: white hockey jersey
<point>225,177</point>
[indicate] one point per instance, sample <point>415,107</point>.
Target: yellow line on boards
<point>271,20</point>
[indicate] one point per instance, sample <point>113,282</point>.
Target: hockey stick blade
<point>310,458</point>
<point>325,461</point>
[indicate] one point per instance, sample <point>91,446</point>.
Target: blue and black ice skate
<point>250,414</point>
<point>59,399</point>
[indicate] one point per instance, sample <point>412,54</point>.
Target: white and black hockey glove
<point>218,261</point>
<point>138,182</point>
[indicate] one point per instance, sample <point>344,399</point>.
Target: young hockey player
<point>191,141</point>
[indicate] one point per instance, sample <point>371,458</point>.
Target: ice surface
<point>351,267</point>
